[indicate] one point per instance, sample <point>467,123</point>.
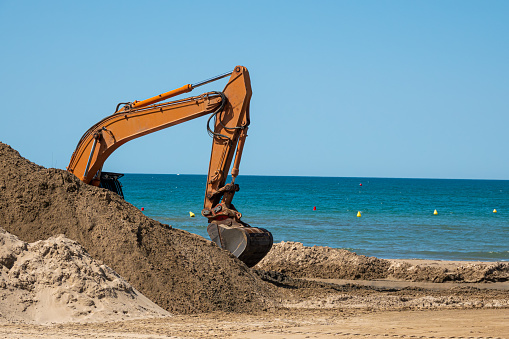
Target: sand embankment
<point>299,261</point>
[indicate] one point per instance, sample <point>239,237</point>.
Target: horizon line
<point>323,176</point>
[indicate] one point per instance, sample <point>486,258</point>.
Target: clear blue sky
<point>340,88</point>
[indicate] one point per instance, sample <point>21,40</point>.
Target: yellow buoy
<point>191,214</point>
<point>359,213</point>
<point>495,210</point>
<point>435,213</point>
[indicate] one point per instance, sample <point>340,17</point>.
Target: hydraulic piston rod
<point>184,89</point>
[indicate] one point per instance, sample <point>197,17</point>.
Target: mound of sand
<point>55,280</point>
<point>179,271</point>
<point>444,271</point>
<point>299,261</point>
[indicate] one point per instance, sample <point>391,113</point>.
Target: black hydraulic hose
<point>214,115</point>
<point>219,112</point>
<point>122,103</point>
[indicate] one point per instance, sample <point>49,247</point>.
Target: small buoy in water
<point>314,208</point>
<point>143,208</point>
<point>495,210</point>
<point>191,214</point>
<point>359,213</point>
<point>360,184</point>
<point>435,213</point>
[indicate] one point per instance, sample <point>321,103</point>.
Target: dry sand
<point>91,286</point>
<point>479,323</point>
<point>55,281</point>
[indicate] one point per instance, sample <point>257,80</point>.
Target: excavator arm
<point>230,109</point>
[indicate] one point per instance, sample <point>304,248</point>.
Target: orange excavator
<point>229,111</point>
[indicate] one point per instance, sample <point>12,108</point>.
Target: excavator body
<point>230,111</point>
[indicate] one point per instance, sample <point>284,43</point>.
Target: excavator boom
<point>230,109</point>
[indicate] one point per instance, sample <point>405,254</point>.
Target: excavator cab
<point>109,180</point>
<point>227,125</point>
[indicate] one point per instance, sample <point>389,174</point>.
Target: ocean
<point>397,219</point>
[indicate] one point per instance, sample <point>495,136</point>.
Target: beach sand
<point>343,322</point>
<point>77,261</point>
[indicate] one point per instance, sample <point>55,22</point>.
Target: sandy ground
<point>84,299</point>
<point>310,307</point>
<point>465,323</point>
<point>317,309</point>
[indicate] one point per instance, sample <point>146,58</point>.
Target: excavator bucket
<point>249,244</point>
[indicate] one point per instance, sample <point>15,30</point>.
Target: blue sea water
<point>397,219</point>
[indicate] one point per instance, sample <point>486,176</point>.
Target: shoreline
<point>444,262</point>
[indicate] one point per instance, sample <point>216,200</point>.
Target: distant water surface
<point>397,219</point>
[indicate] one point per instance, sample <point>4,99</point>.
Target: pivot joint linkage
<point>221,212</point>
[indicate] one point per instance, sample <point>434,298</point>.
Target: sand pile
<point>179,271</point>
<point>438,272</point>
<point>297,260</point>
<point>55,280</point>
